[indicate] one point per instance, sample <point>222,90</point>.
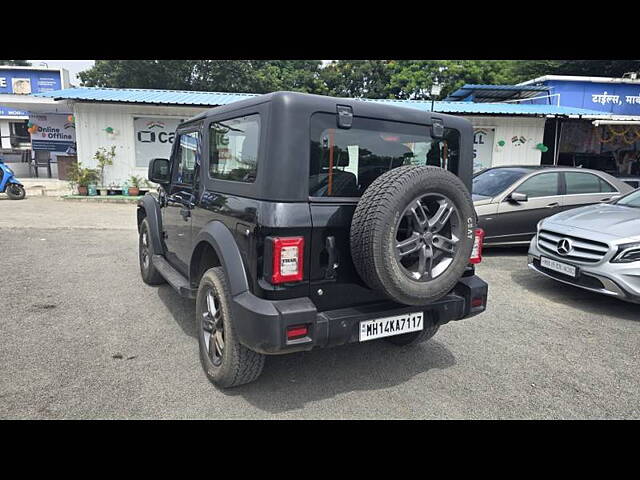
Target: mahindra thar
<point>300,221</point>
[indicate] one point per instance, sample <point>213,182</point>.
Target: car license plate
<point>389,326</point>
<point>558,266</point>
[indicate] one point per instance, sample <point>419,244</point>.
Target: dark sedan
<point>511,200</point>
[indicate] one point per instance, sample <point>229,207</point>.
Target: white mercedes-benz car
<point>596,247</point>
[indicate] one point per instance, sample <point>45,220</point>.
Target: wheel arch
<point>149,208</point>
<point>216,246</point>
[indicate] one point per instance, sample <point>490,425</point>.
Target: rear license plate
<point>389,326</point>
<point>558,266</point>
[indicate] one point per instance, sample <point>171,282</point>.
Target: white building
<point>140,123</point>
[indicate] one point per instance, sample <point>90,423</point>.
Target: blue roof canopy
<point>141,95</point>
<point>495,93</point>
<point>212,99</point>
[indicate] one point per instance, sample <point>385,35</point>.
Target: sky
<point>73,66</point>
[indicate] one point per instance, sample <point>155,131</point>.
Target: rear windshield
<point>495,180</point>
<point>344,162</point>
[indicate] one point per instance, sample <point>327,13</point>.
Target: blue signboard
<point>12,112</point>
<point>613,98</point>
<point>26,82</point>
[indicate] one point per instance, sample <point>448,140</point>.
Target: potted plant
<point>104,158</point>
<point>81,177</point>
<point>113,188</point>
<point>134,188</point>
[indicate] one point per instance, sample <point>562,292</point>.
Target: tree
<point>412,79</point>
<point>358,78</point>
<point>251,76</point>
<point>18,63</point>
<point>165,74</point>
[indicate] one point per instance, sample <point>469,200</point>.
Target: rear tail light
<point>476,252</point>
<point>288,255</point>
<point>297,331</point>
<point>477,302</point>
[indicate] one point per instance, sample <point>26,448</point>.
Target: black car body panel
<point>208,221</point>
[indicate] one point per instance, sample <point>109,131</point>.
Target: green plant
<point>82,176</point>
<point>104,158</point>
<point>136,181</point>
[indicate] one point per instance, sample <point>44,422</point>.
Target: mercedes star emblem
<point>564,246</point>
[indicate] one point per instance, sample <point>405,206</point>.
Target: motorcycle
<point>9,184</point>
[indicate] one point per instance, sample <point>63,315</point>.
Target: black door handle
<point>553,205</point>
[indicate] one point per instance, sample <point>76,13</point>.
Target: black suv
<point>299,221</point>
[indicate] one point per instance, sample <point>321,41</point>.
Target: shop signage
<point>54,133</point>
<point>615,98</point>
<point>26,82</point>
<point>482,148</point>
<point>12,112</point>
<point>154,137</point>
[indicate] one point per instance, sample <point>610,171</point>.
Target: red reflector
<point>297,331</point>
<point>288,257</point>
<point>477,302</point>
<point>478,241</point>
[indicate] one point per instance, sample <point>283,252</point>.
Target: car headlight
<point>627,253</point>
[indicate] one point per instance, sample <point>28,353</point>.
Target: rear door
<point>584,188</point>
<point>344,162</point>
<point>516,221</point>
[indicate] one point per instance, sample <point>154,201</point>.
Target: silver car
<point>596,248</point>
<point>510,201</point>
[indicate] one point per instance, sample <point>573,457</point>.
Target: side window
<point>186,155</point>
<point>541,185</point>
<point>606,186</point>
<point>585,183</point>
<point>233,149</point>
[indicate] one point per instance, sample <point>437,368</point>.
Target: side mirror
<point>159,171</point>
<point>518,197</point>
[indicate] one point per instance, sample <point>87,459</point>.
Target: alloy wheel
<point>427,237</point>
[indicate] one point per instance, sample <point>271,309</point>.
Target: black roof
<point>310,102</point>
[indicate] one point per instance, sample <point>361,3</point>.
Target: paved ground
<point>82,337</point>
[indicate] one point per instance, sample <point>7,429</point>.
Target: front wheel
<point>15,191</point>
<point>225,360</point>
<point>150,275</point>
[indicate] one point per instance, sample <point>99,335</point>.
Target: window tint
<point>541,185</point>
<point>582,183</point>
<point>233,149</point>
<point>586,183</point>
<point>344,162</point>
<point>496,180</point>
<point>187,153</point>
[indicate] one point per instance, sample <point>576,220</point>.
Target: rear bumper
<point>261,325</point>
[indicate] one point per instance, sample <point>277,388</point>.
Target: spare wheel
<point>412,233</point>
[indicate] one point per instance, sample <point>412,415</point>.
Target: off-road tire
<point>150,275</point>
<point>373,231</point>
<point>239,365</point>
<point>15,192</point>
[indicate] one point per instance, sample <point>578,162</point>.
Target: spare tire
<point>412,234</point>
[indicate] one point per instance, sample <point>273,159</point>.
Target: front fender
<point>221,239</point>
<point>152,211</point>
